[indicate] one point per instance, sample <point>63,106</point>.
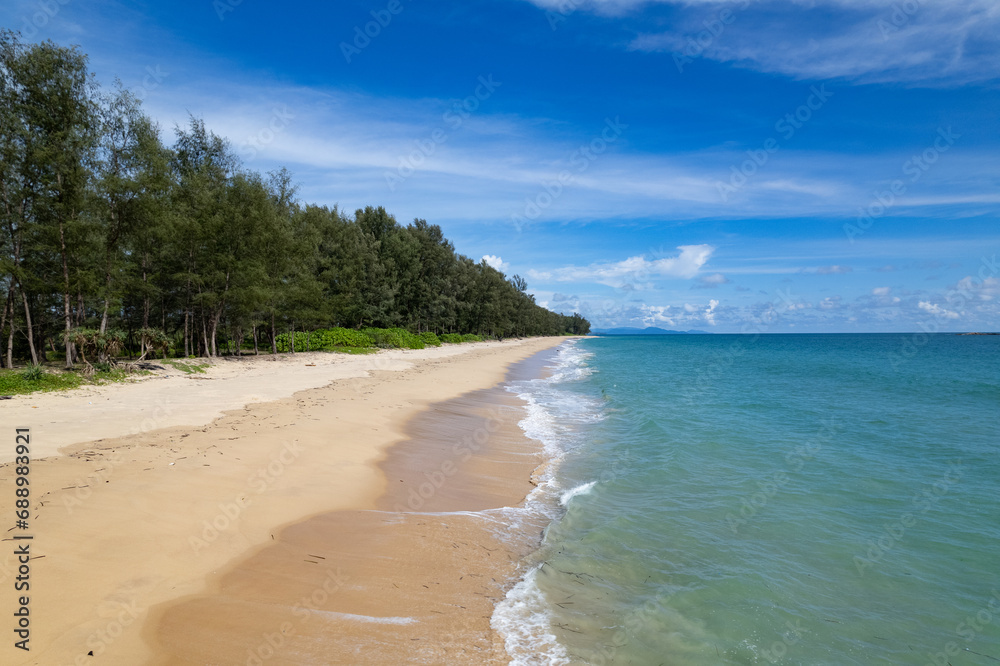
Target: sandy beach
<point>303,510</point>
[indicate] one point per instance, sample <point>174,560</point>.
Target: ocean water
<point>779,499</point>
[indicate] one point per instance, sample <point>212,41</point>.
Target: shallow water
<point>717,499</point>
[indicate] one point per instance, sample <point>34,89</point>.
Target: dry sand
<point>280,532</point>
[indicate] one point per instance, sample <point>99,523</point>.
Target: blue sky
<point>774,165</point>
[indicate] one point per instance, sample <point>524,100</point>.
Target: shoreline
<point>413,579</point>
<point>113,555</point>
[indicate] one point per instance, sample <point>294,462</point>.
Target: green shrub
<point>329,339</point>
<point>451,338</point>
<point>394,338</point>
<point>33,373</point>
<point>472,337</point>
<point>430,339</point>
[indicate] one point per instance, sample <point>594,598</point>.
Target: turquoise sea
<point>776,499</point>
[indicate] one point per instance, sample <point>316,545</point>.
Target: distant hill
<point>652,330</point>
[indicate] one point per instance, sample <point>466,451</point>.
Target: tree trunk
<point>31,330</point>
<point>256,351</point>
<point>204,335</point>
<point>3,320</point>
<point>145,309</point>
<point>66,309</point>
<point>293,337</point>
<point>274,339</point>
<point>215,329</point>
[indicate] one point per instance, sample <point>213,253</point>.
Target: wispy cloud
<point>942,43</point>
<point>833,270</point>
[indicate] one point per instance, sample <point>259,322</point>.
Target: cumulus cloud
<point>984,290</point>
<point>937,310</point>
<point>881,291</point>
<point>633,270</point>
<point>496,262</point>
<point>656,314</point>
<point>710,312</point>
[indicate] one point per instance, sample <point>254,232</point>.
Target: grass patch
<point>14,382</point>
<point>187,368</point>
<point>35,379</point>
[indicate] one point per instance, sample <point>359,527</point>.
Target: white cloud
<point>937,310</point>
<point>833,270</point>
<point>952,43</point>
<point>711,281</point>
<point>634,269</point>
<point>881,291</point>
<point>985,290</point>
<point>656,314</point>
<point>710,311</point>
<point>496,262</point>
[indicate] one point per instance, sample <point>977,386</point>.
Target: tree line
<point>112,240</point>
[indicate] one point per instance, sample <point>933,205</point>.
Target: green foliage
<point>155,340</point>
<point>35,380</point>
<point>15,383</point>
<point>331,339</point>
<point>32,373</point>
<point>472,337</point>
<point>394,338</point>
<point>430,339</point>
<point>180,250</point>
<point>99,346</point>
